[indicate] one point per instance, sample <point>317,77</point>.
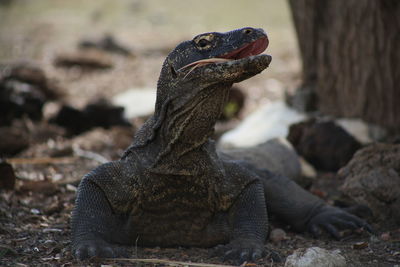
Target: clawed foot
<point>97,249</point>
<point>240,250</point>
<point>331,219</point>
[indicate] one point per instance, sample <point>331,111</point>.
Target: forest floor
<point>35,229</point>
<point>35,215</point>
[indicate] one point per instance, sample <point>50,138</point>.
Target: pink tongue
<point>254,48</point>
<point>251,49</point>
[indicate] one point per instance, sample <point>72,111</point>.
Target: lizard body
<point>172,187</point>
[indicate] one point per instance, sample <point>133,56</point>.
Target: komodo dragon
<point>172,188</point>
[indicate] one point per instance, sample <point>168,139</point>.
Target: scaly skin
<point>171,188</point>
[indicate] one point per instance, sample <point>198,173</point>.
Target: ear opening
<point>173,71</point>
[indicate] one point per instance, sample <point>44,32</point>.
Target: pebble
<point>360,245</point>
<point>277,235</point>
<point>385,236</point>
<point>315,256</point>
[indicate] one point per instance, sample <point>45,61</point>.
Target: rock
<point>372,177</point>
<point>277,235</point>
<point>385,236</point>
<point>276,155</point>
<point>324,144</point>
<point>89,59</point>
<point>31,74</point>
<point>13,140</point>
<point>137,102</point>
<point>108,44</point>
<point>7,176</point>
<point>23,91</point>
<point>19,100</point>
<point>270,121</point>
<point>315,256</point>
<point>99,113</point>
<point>365,133</point>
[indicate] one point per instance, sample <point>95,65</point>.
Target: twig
<point>172,263</point>
<point>89,155</point>
<point>41,160</point>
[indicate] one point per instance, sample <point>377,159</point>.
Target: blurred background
<point>78,79</point>
<point>42,30</point>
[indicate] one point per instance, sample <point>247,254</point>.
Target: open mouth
<point>251,49</point>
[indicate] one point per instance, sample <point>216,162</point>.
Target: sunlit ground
<point>38,30</point>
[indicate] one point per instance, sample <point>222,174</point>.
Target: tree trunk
<point>351,57</point>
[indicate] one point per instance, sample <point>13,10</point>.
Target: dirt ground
<point>34,217</point>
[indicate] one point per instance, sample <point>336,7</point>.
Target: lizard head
<point>195,80</point>
<point>212,59</point>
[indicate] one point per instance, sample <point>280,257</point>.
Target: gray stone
<point>315,256</point>
<point>372,177</point>
<point>276,155</point>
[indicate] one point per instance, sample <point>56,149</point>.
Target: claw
<point>332,230</point>
<point>229,255</point>
<point>240,250</point>
<point>100,249</point>
<point>81,254</point>
<point>244,256</point>
<point>369,228</point>
<point>314,230</point>
<point>276,257</point>
<point>257,254</point>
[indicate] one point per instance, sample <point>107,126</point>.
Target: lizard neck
<point>178,146</point>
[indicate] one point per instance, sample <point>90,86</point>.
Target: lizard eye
<point>203,43</point>
<point>247,31</point>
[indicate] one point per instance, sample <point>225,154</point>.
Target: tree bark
<point>351,57</point>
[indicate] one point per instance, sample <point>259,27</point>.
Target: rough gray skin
<point>172,189</point>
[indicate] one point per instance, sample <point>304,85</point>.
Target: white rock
<point>136,101</point>
<point>365,133</point>
<point>307,170</point>
<point>270,121</point>
<point>315,256</point>
<point>357,128</point>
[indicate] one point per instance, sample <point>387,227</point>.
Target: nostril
<point>247,31</point>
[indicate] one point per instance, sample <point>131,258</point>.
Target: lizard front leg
<point>247,218</point>
<point>96,227</point>
<point>249,221</point>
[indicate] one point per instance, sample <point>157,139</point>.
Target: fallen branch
<point>89,155</point>
<point>173,263</point>
<point>42,160</point>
